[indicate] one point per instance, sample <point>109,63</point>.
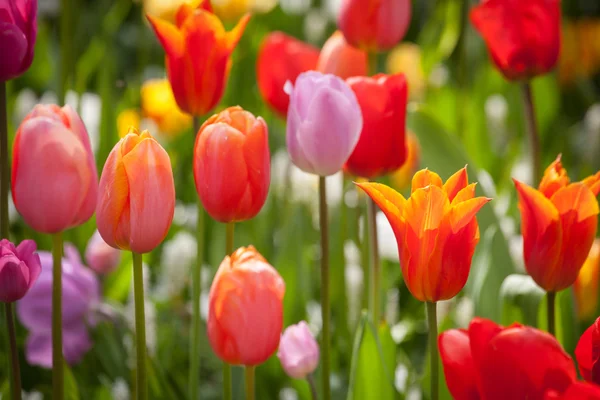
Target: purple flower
<point>298,351</point>
<point>323,124</point>
<point>80,292</point>
<point>101,257</point>
<point>18,30</point>
<point>19,269</point>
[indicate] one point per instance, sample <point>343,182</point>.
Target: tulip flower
<point>54,178</point>
<point>231,165</point>
<point>298,351</point>
<point>19,269</point>
<point>339,58</point>
<point>522,37</point>
<point>234,9</point>
<point>163,9</point>
<point>374,24</point>
<point>198,55</point>
<point>282,58</point>
<point>587,353</point>
<point>18,29</point>
<point>324,123</point>
<point>382,145</point>
<point>577,391</point>
<point>402,176</point>
<point>101,257</point>
<point>128,118</point>
<point>81,294</point>
<point>491,362</point>
<point>559,222</point>
<point>586,284</point>
<point>245,314</point>
<point>136,200</point>
<point>406,59</point>
<point>158,104</point>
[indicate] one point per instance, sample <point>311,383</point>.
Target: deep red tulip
<point>523,37</point>
<point>282,58</point>
<point>577,391</point>
<point>587,353</point>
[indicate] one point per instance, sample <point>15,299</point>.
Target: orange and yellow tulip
<point>559,222</point>
<point>436,231</point>
<point>586,284</point>
<point>198,55</point>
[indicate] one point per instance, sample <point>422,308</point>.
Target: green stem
<point>373,60</point>
<point>4,176</point>
<point>550,309</point>
<point>532,132</point>
<point>14,371</point>
<point>227,393</point>
<point>66,47</point>
<point>325,307</point>
<point>57,348</point>
<point>374,269</point>
<point>249,375</point>
<point>140,326</point>
<point>433,349</point>
<point>462,73</point>
<point>313,386</point>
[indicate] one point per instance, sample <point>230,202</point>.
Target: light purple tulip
<point>101,257</point>
<point>18,30</point>
<point>323,124</point>
<point>19,269</point>
<point>298,351</point>
<point>80,293</point>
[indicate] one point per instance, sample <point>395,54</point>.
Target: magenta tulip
<point>101,257</point>
<point>19,269</point>
<point>18,30</point>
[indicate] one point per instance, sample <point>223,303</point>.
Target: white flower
<point>120,390</point>
<point>186,215</point>
<point>178,257</point>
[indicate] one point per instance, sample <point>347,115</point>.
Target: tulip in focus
<point>587,353</point>
<point>488,361</point>
<point>324,123</point>
<point>19,269</point>
<point>54,178</point>
<point>402,176</point>
<point>436,231</point>
<point>586,284</point>
<point>18,29</point>
<point>339,58</point>
<point>80,293</point>
<point>158,104</point>
<point>101,257</point>
<point>245,315</point>
<point>559,222</point>
<point>522,37</point>
<point>382,145</point>
<point>198,55</point>
<point>232,165</point>
<point>136,199</point>
<point>298,351</point>
<point>374,25</point>
<point>282,58</point>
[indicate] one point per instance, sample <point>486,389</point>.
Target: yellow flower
<point>406,58</point>
<point>158,104</point>
<point>586,285</point>
<point>128,118</point>
<point>234,9</point>
<point>163,9</point>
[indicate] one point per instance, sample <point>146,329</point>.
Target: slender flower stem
<point>313,386</point>
<point>433,349</point>
<point>66,48</point>
<point>140,326</point>
<point>194,378</point>
<point>249,375</point>
<point>374,269</point>
<point>227,393</point>
<point>532,132</point>
<point>14,371</point>
<point>57,347</point>
<point>550,309</point>
<point>325,307</point>
<point>3,164</point>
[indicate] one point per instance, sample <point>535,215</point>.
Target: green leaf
<point>71,389</point>
<point>440,34</point>
<point>520,300</point>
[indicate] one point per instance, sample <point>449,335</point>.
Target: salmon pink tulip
<point>339,58</point>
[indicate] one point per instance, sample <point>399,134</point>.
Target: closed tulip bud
<point>136,200</point>
<point>18,29</point>
<point>339,58</point>
<point>54,178</point>
<point>245,314</point>
<point>198,55</point>
<point>401,177</point>
<point>522,37</point>
<point>586,285</point>
<point>101,257</point>
<point>232,165</point>
<point>282,58</point>
<point>19,269</point>
<point>298,351</point>
<point>587,353</point>
<point>374,24</point>
<point>324,123</point>
<point>558,222</point>
<point>436,231</point>
<point>382,145</point>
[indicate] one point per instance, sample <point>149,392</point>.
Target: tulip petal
<point>391,203</point>
<point>463,213</point>
<point>583,354</point>
<point>481,331</point>
<point>234,36</point>
<point>424,178</point>
<point>13,43</point>
<point>555,177</point>
<point>456,183</point>
<point>580,391</point>
<point>459,368</point>
<point>593,182</point>
<point>464,194</point>
<point>169,36</point>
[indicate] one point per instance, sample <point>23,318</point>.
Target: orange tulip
<point>559,222</point>
<point>232,165</point>
<point>586,285</point>
<point>198,55</point>
<point>245,315</point>
<point>136,200</point>
<point>436,231</point>
<point>339,58</point>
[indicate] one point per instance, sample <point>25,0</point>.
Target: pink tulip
<point>101,257</point>
<point>19,269</point>
<point>298,351</point>
<point>18,30</point>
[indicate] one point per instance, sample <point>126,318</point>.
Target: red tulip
<point>523,37</point>
<point>577,391</point>
<point>231,165</point>
<point>339,58</point>
<point>381,148</point>
<point>490,362</point>
<point>282,58</point>
<point>587,353</point>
